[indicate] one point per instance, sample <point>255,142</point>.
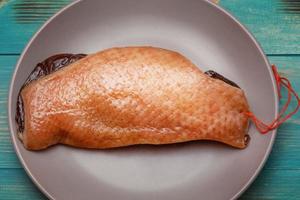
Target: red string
<point>280,81</point>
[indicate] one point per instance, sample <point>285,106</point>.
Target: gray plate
<point>200,30</point>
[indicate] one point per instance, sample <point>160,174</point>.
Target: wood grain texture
<point>290,6</point>
<point>15,185</point>
<point>35,11</point>
<point>278,32</point>
<point>20,19</point>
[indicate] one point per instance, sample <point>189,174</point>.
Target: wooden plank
<point>8,157</point>
<point>15,185</point>
<point>278,31</point>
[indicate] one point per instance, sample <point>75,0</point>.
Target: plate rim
<point>218,8</point>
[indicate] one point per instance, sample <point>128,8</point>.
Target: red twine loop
<point>280,81</point>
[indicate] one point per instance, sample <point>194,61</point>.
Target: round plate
<point>201,31</point>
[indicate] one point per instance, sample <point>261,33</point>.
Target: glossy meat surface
<point>134,95</point>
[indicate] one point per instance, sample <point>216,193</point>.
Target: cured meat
<point>131,95</point>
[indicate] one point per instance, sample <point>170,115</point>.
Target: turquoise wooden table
<point>275,24</point>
